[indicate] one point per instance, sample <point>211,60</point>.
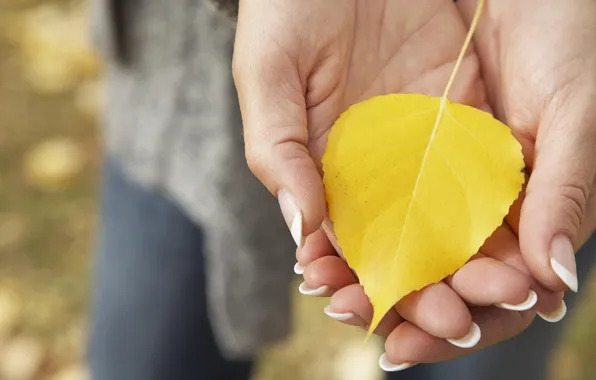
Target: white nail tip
<point>555,316</point>
<point>296,229</point>
<point>529,303</point>
<point>298,269</point>
<point>565,275</point>
<point>470,340</point>
<point>387,366</point>
<point>341,317</point>
<point>304,289</point>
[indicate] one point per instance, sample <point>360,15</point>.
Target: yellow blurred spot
<point>20,359</point>
<point>357,361</point>
<point>75,372</point>
<point>10,307</point>
<point>55,50</point>
<point>54,164</point>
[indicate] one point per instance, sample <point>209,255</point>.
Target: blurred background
<point>50,100</point>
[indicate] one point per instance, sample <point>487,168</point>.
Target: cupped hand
<point>495,285</point>
<point>299,64</point>
<point>538,61</point>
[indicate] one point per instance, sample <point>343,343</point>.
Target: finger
<point>324,276</point>
<point>351,306</point>
<point>486,281</point>
<point>408,345</point>
<point>316,245</point>
<point>514,214</point>
<point>503,246</point>
<point>436,309</point>
<point>440,312</point>
<point>328,228</point>
<point>273,108</point>
<point>559,188</point>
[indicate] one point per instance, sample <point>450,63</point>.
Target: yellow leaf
<point>415,185</point>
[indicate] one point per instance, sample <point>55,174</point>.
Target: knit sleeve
<point>228,7</point>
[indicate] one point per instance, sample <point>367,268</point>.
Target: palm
<point>531,84</point>
<point>416,58</point>
<point>378,48</point>
<point>298,66</point>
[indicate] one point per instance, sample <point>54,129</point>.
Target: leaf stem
<point>464,48</point>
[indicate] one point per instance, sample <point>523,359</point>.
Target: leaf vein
<point>467,130</point>
<point>450,166</point>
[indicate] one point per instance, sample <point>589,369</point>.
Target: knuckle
<point>254,61</point>
<point>256,161</point>
<point>569,199</point>
<point>574,201</point>
<point>239,64</point>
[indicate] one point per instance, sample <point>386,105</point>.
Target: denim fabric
<point>150,321</point>
<point>149,317</point>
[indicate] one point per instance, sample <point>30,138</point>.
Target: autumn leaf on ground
<point>55,51</point>
<point>53,164</point>
<point>415,185</point>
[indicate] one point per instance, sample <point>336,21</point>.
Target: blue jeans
<point>149,318</point>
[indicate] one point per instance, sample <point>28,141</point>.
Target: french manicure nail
<point>292,215</point>
<point>387,366</point>
<point>318,292</point>
<point>342,317</point>
<point>298,269</point>
<point>470,340</point>
<point>562,260</point>
<point>529,303</point>
<point>556,315</point>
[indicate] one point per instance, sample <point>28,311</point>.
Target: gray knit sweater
<point>172,121</point>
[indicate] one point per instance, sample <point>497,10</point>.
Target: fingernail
<point>298,269</point>
<point>529,303</point>
<point>556,315</point>
<point>387,366</point>
<point>342,317</point>
<point>470,340</point>
<point>562,260</point>
<point>318,292</point>
<point>292,215</point>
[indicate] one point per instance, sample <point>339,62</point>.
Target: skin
<point>538,61</point>
<point>297,66</point>
<point>415,326</point>
<point>293,82</point>
<point>550,113</point>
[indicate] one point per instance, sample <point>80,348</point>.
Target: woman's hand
<point>496,285</point>
<point>299,64</point>
<point>538,60</point>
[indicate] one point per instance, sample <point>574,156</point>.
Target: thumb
<point>275,133</point>
<point>557,194</point>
